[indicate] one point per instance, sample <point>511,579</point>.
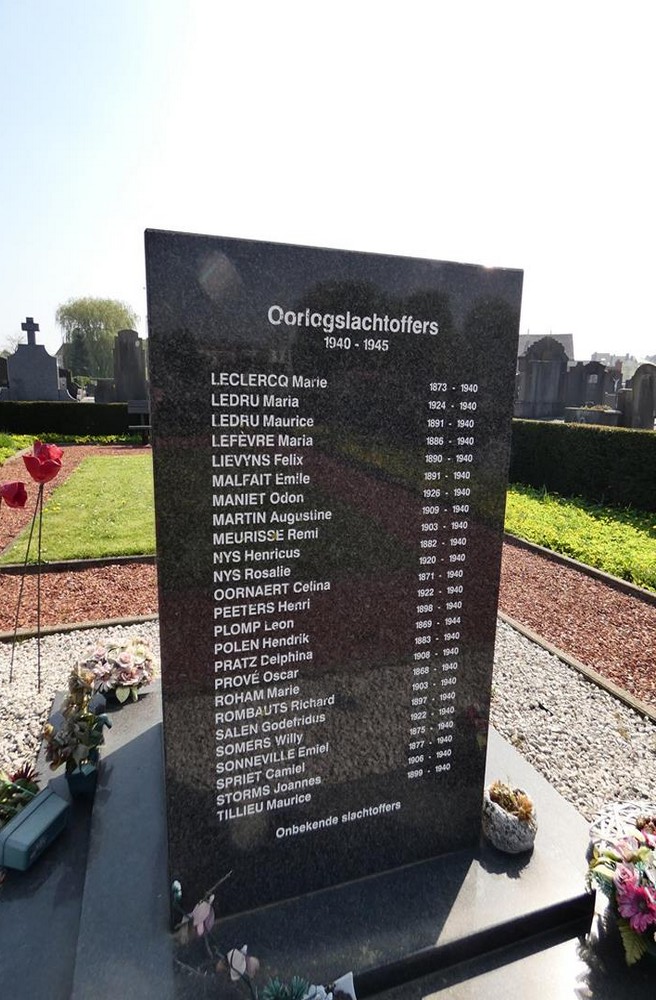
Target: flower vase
<point>82,780</point>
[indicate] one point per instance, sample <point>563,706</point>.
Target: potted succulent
<point>76,739</point>
<point>29,819</point>
<point>509,819</point>
<point>120,671</point>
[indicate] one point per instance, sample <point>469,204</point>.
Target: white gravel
<point>23,709</point>
<point>590,746</point>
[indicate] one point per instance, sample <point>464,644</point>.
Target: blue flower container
<point>82,781</point>
<point>33,829</point>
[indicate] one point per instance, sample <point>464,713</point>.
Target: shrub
<point>92,419</point>
<point>613,465</point>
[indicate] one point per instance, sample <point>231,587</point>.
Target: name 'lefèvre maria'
<point>252,441</point>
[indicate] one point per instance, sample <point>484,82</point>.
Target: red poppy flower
<point>45,463</point>
<point>13,494</point>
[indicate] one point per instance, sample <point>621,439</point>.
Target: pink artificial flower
<point>45,462</point>
<point>241,964</point>
<point>126,676</point>
<point>626,875</point>
<point>13,494</point>
<point>102,672</point>
<point>637,903</point>
<point>203,916</point>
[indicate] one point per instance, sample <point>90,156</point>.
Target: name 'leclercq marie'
<point>328,322</point>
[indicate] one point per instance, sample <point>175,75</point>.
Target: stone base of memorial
<point>471,924</point>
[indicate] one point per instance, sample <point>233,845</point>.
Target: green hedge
<point>613,465</point>
<point>64,418</point>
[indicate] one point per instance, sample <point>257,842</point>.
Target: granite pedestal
<point>95,909</point>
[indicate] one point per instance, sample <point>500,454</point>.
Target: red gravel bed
<point>111,591</point>
<point>612,632</point>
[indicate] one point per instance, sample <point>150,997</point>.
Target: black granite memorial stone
<point>330,439</point>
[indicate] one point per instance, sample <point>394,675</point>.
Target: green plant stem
<point>22,585</point>
<point>38,592</point>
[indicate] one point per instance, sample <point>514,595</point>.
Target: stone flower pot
<point>506,831</point>
<point>31,830</point>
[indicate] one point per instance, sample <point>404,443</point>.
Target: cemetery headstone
<point>32,373</point>
<point>105,390</point>
<point>595,383</point>
<point>129,367</point>
<point>541,380</point>
<point>331,439</point>
<point>643,385</point>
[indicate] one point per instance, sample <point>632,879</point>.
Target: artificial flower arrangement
<point>625,871</point>
<point>121,669</point>
<point>76,741</point>
<point>43,465</point>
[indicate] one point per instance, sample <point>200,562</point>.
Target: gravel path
<point>587,744</point>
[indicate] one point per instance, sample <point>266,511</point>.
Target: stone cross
<point>30,328</point>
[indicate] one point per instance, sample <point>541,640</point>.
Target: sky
<point>510,134</point>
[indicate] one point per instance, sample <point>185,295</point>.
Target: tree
<point>78,354</point>
<point>10,344</point>
<point>97,321</point>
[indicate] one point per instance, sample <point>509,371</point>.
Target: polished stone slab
<point>124,948</point>
<point>331,433</point>
<point>548,968</point>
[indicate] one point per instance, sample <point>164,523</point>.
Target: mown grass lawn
<point>105,508</point>
<point>618,541</point>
